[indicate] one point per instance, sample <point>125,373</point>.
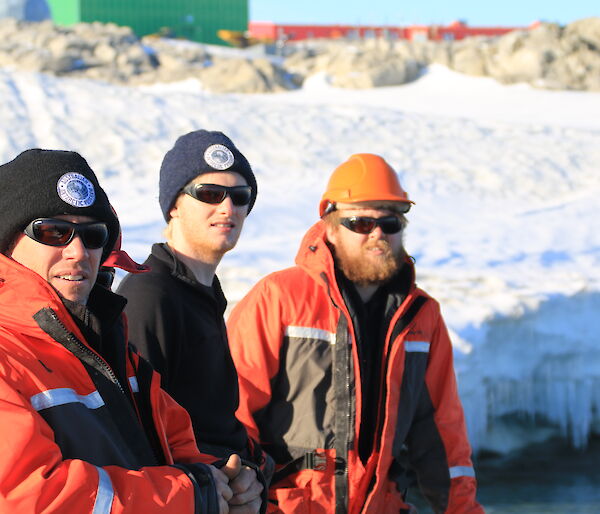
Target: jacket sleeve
<point>255,338</point>
<point>182,446</point>
<point>180,435</point>
<point>35,478</point>
<point>438,445</point>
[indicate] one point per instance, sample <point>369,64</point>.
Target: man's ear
<point>331,232</point>
<point>174,212</point>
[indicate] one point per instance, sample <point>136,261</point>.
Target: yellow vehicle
<point>240,39</point>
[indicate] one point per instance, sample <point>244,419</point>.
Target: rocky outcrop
<point>550,56</point>
<point>115,54</point>
<point>547,56</point>
<point>357,67</point>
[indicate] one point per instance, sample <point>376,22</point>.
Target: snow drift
<point>504,230</point>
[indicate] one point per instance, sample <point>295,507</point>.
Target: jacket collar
<point>23,293</point>
<point>181,272</point>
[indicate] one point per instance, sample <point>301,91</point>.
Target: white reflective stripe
<point>55,397</point>
<point>462,471</point>
<point>311,333</point>
<point>105,494</point>
<point>134,384</point>
<point>417,346</point>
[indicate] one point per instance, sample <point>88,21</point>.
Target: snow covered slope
<point>506,181</point>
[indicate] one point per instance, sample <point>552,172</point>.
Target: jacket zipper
<point>342,507</point>
<point>96,358</point>
<point>102,366</point>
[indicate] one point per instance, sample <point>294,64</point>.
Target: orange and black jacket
<point>294,346</point>
<point>76,435</point>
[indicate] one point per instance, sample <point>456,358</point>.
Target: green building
<point>197,20</point>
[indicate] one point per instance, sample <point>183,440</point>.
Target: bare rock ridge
<point>548,56</point>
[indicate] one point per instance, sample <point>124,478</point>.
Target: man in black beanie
<point>175,312</point>
<point>84,424</point>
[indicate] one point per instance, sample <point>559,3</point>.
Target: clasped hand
<point>238,487</point>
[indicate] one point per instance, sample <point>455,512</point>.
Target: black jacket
<point>177,324</point>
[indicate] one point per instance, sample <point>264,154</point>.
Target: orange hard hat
<point>364,177</point>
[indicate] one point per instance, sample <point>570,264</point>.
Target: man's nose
<point>377,233</point>
<point>76,248</point>
<point>226,206</point>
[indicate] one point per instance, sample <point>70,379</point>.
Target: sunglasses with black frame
<point>57,232</point>
<point>214,194</point>
<point>365,224</point>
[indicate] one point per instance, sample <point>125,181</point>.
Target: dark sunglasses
<point>366,225</point>
<point>215,194</point>
<point>56,232</point>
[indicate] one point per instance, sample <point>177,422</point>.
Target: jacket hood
<point>23,293</point>
<point>314,256</point>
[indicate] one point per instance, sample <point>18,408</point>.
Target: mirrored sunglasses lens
<point>53,234</point>
<point>362,225</point>
<point>211,195</point>
<point>240,196</point>
<point>389,225</point>
<point>94,236</point>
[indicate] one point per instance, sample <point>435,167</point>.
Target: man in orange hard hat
<point>345,366</point>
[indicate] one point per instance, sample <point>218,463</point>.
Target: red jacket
<point>73,439</point>
<point>293,344</point>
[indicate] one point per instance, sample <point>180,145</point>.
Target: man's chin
<point>76,293</point>
<point>370,270</point>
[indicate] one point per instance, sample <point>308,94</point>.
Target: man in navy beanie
<point>175,312</point>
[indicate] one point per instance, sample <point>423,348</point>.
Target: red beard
<point>365,269</point>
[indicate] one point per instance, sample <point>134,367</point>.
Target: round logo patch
<point>218,157</point>
<point>76,190</point>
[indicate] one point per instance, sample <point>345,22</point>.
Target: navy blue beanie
<point>195,153</point>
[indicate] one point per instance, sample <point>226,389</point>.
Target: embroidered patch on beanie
<point>76,190</point>
<point>219,157</point>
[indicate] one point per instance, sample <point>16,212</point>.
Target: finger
<point>218,475</point>
<point>224,491</point>
<point>249,495</point>
<point>252,507</point>
<point>221,484</point>
<point>223,506</point>
<point>243,480</point>
<point>232,467</point>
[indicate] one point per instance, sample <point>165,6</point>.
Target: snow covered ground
<point>506,181</point>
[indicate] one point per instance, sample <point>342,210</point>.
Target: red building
<point>456,30</point>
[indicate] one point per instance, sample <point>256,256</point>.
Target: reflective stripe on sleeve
<point>134,384</point>
<point>310,333</point>
<point>105,493</point>
<point>416,346</point>
<point>62,396</point>
<point>462,471</point>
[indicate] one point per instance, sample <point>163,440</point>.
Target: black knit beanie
<point>195,153</point>
<point>45,183</point>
